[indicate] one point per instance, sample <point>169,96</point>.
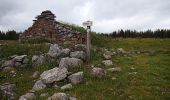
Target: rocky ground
<point>49,71</point>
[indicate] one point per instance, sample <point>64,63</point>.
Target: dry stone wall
<point>45,26</point>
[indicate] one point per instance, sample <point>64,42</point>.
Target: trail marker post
<point>88,25</point>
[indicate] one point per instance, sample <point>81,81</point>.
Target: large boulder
<point>38,60</point>
<point>78,54</point>
<point>52,75</point>
<point>54,51</point>
<point>58,96</point>
<point>76,78</point>
<point>70,62</point>
<point>39,85</point>
<point>98,72</point>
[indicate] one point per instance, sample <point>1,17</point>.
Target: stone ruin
<point>45,26</point>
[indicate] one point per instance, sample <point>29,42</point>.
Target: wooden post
<point>88,43</point>
<point>88,25</point>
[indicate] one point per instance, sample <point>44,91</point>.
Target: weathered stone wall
<point>45,26</point>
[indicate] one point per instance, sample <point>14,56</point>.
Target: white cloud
<point>107,15</point>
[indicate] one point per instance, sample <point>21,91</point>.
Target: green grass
<point>148,80</point>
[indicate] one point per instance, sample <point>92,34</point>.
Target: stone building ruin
<point>45,26</point>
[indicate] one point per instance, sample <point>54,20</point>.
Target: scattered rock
<point>98,72</point>
<point>38,60</point>
<point>16,61</point>
<point>13,73</point>
<point>8,63</point>
<point>52,75</point>
<point>116,69</point>
<point>39,85</point>
<point>132,73</point>
<point>7,91</point>
<point>132,68</point>
<point>55,51</point>
<point>114,53</point>
<point>19,58</point>
<point>120,51</point>
<point>8,69</point>
<point>66,87</point>
<point>76,78</point>
<point>78,54</point>
<point>114,78</point>
<point>107,62</point>
<point>70,62</point>
<point>56,86</point>
<point>44,95</point>
<point>72,98</point>
<point>107,57</point>
<point>7,87</point>
<point>28,96</point>
<point>58,96</point>
<point>36,74</point>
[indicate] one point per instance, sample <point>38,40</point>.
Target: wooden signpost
<point>88,25</point>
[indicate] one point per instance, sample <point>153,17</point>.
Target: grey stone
<point>7,91</point>
<point>58,96</point>
<point>10,95</point>
<point>39,85</point>
<point>107,62</point>
<point>116,69</point>
<point>72,98</point>
<point>76,78</point>
<point>44,95</point>
<point>55,51</point>
<point>52,75</point>
<point>28,96</point>
<point>7,87</point>
<point>114,53</point>
<point>38,60</point>
<point>36,74</point>
<point>19,58</point>
<point>70,62</point>
<point>121,50</point>
<point>66,87</point>
<point>98,72</point>
<point>80,47</point>
<point>8,69</point>
<point>9,63</point>
<point>107,56</point>
<point>65,52</point>
<point>78,54</point>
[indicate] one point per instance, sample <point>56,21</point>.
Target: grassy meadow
<point>144,76</point>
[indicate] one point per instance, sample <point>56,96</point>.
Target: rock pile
<point>53,76</point>
<point>7,91</point>
<point>15,62</point>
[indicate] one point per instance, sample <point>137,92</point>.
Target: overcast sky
<point>107,15</point>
